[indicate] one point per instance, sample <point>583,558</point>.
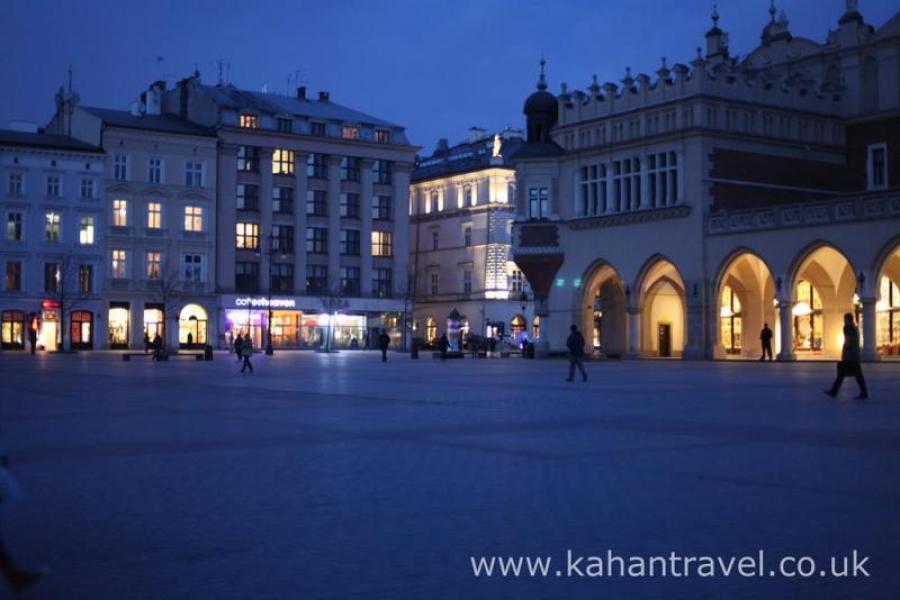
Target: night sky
<point>437,67</point>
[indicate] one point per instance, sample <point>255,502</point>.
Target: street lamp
<point>270,252</point>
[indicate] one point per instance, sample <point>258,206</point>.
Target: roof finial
<point>715,15</point>
<point>772,10</point>
<point>542,81</point>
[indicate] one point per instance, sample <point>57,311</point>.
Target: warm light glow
<point>496,294</point>
<point>801,309</point>
<point>882,306</point>
<point>726,312</point>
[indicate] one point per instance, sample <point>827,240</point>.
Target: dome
<point>541,101</point>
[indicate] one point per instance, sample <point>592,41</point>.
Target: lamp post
<point>270,252</point>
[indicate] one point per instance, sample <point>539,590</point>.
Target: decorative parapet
<point>841,210</point>
<point>630,218</point>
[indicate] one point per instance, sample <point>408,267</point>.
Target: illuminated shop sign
<point>265,302</point>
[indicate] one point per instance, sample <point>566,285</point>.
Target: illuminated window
<point>86,231</point>
<point>888,315</point>
<point>154,265</point>
<point>382,243</point>
<point>730,321</point>
<point>51,226</point>
<point>247,236</point>
<point>249,120</point>
<point>430,330</point>
<point>382,136</point>
<point>154,215</point>
<point>808,320</point>
<point>350,133</point>
<point>119,270</point>
<point>283,162</point>
<point>193,174</point>
<point>193,218</point>
<point>120,212</point>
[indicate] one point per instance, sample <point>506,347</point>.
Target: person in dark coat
<point>19,579</point>
<point>238,346</point>
<point>157,347</point>
<point>384,340</point>
<point>443,346</point>
<point>147,343</point>
<point>246,354</point>
<point>32,338</point>
<point>765,336</point>
<point>575,345</point>
<point>850,360</point>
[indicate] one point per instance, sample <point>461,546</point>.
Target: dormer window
<point>382,136</point>
<point>249,121</point>
<point>350,132</point>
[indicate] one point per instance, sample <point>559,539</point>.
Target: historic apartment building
<point>461,216</point>
<point>313,242</point>
<point>159,219</point>
<point>672,216</point>
<point>51,249</point>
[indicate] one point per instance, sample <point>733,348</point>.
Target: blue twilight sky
<point>435,66</point>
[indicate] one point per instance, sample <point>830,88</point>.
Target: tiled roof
<point>164,123</point>
<point>9,137</point>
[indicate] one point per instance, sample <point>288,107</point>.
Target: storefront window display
<point>730,322</point>
<point>193,326</point>
<point>286,328</point>
<point>82,326</point>
<point>246,322</point>
<point>154,321</point>
<point>808,321</point>
<point>12,326</point>
<point>118,318</point>
<point>888,311</point>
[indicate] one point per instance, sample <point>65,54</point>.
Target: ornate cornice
<point>630,218</point>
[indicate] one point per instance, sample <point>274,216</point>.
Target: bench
<point>164,355</point>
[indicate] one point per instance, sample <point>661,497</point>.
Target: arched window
<point>192,326</point>
<point>888,311</point>
<point>516,326</point>
<point>808,323</point>
<point>731,324</point>
<point>430,330</point>
<point>536,328</point>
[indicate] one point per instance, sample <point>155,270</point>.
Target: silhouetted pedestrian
<point>19,579</point>
<point>384,340</point>
<point>443,346</point>
<point>765,336</point>
<point>157,347</point>
<point>32,338</point>
<point>246,354</point>
<point>575,345</point>
<point>147,343</point>
<point>238,346</point>
<point>850,360</point>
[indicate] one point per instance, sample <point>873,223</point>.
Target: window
<point>350,205</point>
<point>877,166</point>
<point>246,277</point>
<point>284,124</point>
<point>316,279</point>
<point>193,174</point>
<point>53,186</point>
<point>350,281</point>
<point>193,268</point>
<point>247,197</point>
<point>467,235</point>
<point>51,226</point>
<point>120,167</point>
<point>52,277</point>
<point>730,321</point>
<point>382,170</point>
<point>154,265</point>
<point>283,238</point>
<point>154,215</point>
<point>382,243</point>
<point>86,231</point>
<point>120,212</point>
<point>350,242</point>
<point>13,276</point>
<point>283,199</point>
<point>662,179</point>
<point>154,170</point>
<point>193,218</point>
<point>248,159</point>
<point>381,208</point>
<point>317,166</point>
<point>247,236</point>
<point>87,188</point>
<point>593,190</point>
<point>381,283</point>
<point>435,283</point>
<point>249,121</point>
<point>14,226</point>
<point>282,278</point>
<point>317,203</point>
<point>538,203</point>
<point>283,162</point>
<point>468,196</point>
<point>15,185</point>
<point>317,240</point>
<point>467,281</point>
<point>85,279</point>
<point>350,168</point>
<point>348,132</point>
<point>382,136</point>
<point>435,240</point>
<point>431,201</point>
<point>118,264</point>
<point>316,128</point>
<point>516,281</point>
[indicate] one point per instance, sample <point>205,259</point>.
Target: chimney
<point>301,92</point>
<point>323,96</point>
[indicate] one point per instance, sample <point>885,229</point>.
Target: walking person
<point>384,340</point>
<point>443,346</point>
<point>238,346</point>
<point>19,579</point>
<point>246,354</point>
<point>575,344</point>
<point>147,343</point>
<point>765,336</point>
<point>157,347</point>
<point>32,338</point>
<point>850,360</point>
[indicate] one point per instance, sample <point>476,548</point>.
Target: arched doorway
<point>193,326</point>
<point>823,287</point>
<point>430,330</point>
<point>746,302</point>
<point>887,309</point>
<point>662,311</point>
<point>603,310</point>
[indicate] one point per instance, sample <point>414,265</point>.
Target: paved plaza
<point>337,476</point>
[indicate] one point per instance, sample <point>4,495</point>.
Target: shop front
<point>154,320</point>
<point>193,327</point>
<point>49,333</point>
<point>82,330</point>
<point>118,319</point>
<point>12,329</point>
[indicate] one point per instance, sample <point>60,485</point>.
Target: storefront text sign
<point>265,302</point>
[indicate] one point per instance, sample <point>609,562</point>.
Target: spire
<point>542,81</point>
<point>772,11</point>
<point>715,16</point>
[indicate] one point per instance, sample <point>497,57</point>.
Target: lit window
<point>51,226</point>
<point>382,243</point>
<point>283,162</point>
<point>247,236</point>
<point>193,174</point>
<point>86,231</point>
<point>120,212</point>
<point>154,215</point>
<point>118,264</point>
<point>249,121</point>
<point>193,218</point>
<point>154,266</point>
<point>350,133</point>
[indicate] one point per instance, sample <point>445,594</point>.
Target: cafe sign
<point>250,302</point>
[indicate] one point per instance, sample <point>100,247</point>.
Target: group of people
<point>243,350</point>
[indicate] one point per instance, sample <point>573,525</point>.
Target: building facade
<point>159,214</point>
<point>51,248</point>
<point>461,217</point>
<point>675,216</point>
<point>314,229</point>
